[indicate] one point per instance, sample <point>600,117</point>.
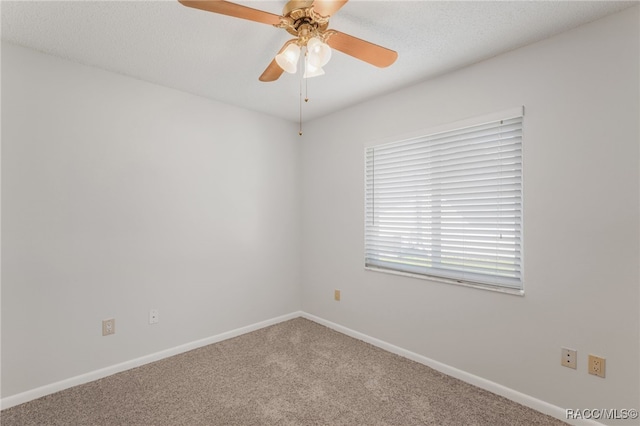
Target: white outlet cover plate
<point>569,358</point>
<point>108,326</point>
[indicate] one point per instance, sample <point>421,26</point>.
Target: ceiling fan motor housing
<point>300,20</point>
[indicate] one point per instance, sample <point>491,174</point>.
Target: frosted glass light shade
<point>310,70</point>
<point>319,52</point>
<point>288,59</point>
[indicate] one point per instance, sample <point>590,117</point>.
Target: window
<point>448,205</point>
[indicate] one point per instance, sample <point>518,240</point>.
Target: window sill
<point>497,289</point>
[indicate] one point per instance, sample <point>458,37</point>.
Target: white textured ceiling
<point>221,57</point>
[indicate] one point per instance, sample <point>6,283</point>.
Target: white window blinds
<point>448,205</point>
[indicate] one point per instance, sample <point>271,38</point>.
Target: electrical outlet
<point>108,326</point>
<point>596,365</point>
<point>569,358</point>
<point>336,295</point>
<point>154,316</point>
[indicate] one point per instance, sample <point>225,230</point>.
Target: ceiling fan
<point>308,21</point>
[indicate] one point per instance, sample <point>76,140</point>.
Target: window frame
<point>453,126</point>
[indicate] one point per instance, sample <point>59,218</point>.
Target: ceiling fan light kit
<point>315,58</point>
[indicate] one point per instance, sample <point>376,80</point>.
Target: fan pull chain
<point>306,90</point>
<point>306,80</point>
<point>300,122</point>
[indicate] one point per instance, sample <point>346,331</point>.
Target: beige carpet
<point>293,373</point>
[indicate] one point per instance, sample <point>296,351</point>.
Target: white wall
<point>581,247</point>
<point>119,196</point>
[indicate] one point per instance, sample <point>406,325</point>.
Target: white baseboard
<point>513,395</point>
<point>498,389</point>
<point>30,395</point>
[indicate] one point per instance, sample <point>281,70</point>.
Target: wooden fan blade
<point>273,71</point>
<point>361,49</point>
<point>328,7</point>
<point>232,9</point>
